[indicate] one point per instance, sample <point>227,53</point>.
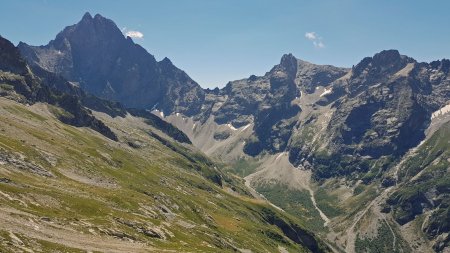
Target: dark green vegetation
<point>244,167</point>
<point>327,203</point>
<point>295,202</point>
<point>384,241</point>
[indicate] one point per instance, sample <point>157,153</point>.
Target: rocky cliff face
<point>95,55</point>
<point>381,108</point>
<point>269,102</point>
<point>336,121</point>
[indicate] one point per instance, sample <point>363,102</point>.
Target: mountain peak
<point>166,61</point>
<point>99,21</point>
<point>384,62</point>
<point>10,59</point>
<point>87,16</point>
<point>166,64</point>
<point>98,16</point>
<point>387,56</point>
<point>289,63</point>
<point>95,53</point>
<point>91,29</point>
<point>288,58</point>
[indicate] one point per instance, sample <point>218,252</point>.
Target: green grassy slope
<point>68,189</point>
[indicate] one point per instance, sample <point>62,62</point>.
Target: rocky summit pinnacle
<point>96,55</point>
<point>87,16</point>
<point>288,59</point>
<point>289,63</point>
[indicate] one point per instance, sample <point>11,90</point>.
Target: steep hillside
<point>71,189</point>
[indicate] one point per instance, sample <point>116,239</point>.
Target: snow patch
<point>440,112</point>
<point>231,127</point>
<point>245,127</point>
<point>279,156</point>
<point>406,70</point>
<point>326,92</point>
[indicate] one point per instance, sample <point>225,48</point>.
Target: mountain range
<point>329,158</point>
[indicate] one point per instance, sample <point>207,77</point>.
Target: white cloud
<point>311,36</point>
<point>134,34</point>
<point>315,38</point>
<point>318,44</point>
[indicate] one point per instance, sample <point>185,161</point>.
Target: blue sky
<point>216,41</point>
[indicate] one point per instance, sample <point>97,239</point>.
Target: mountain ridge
<point>347,130</point>
<point>354,128</point>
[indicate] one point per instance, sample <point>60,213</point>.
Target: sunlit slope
<point>71,189</point>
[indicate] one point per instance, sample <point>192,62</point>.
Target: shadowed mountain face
<point>19,83</point>
<point>95,55</point>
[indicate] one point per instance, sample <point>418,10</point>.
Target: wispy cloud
<point>315,38</point>
<point>318,44</point>
<point>132,33</point>
<point>311,35</point>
